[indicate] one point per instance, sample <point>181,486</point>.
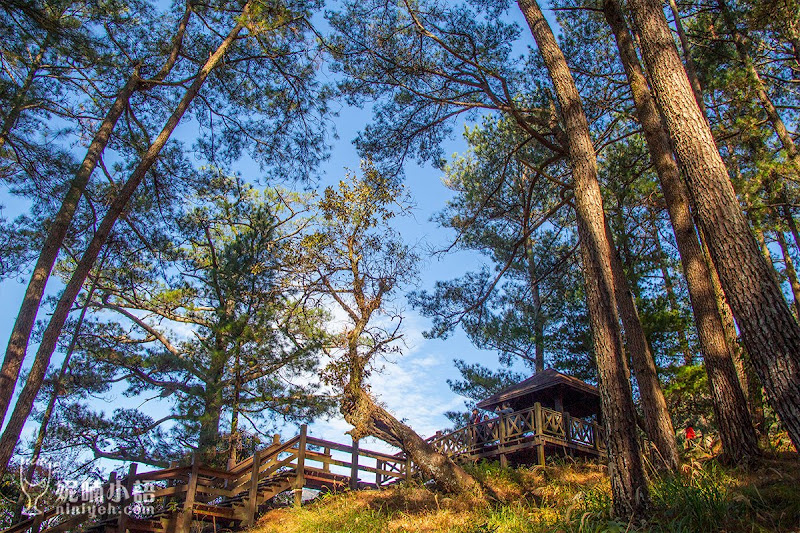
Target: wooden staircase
<point>196,495</point>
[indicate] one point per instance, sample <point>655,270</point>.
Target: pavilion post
<point>539,432</point>
<point>502,442</point>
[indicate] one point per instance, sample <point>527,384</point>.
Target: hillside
<point>567,497</point>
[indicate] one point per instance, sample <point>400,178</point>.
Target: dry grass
<point>564,498</point>
<point>528,496</point>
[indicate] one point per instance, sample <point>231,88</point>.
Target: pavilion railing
<point>555,427</point>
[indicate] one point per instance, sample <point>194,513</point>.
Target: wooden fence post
<point>503,421</point>
<point>378,477</point>
<point>171,480</point>
<point>125,498</point>
<point>567,426</point>
<point>185,521</point>
<point>354,466</point>
<point>408,467</point>
<point>539,432</point>
<point>252,493</point>
<point>37,523</point>
<point>106,496</point>
<point>300,480</point>
<point>326,466</point>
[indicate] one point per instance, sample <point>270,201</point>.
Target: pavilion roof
<point>538,382</point>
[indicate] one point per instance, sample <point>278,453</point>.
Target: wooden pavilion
<point>550,414</point>
<point>553,390</point>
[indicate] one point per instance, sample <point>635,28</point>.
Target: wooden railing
<point>183,494</point>
<point>499,433</point>
<point>364,468</point>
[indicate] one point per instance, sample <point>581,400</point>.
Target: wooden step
<point>202,509</point>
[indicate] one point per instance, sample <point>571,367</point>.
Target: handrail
<point>536,421</point>
<point>348,449</point>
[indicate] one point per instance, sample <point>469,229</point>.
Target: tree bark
<point>628,481</point>
<point>748,381</point>
<point>789,219</point>
<point>730,407</point>
<point>370,419</point>
<point>758,232</point>
<point>25,401</point>
<point>209,422</point>
<point>770,333</point>
<point>237,391</point>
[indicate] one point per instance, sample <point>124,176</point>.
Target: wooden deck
<point>524,437</point>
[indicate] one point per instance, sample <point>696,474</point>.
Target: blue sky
<point>412,386</point>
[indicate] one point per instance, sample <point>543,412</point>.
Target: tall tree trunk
<point>209,422</point>
<point>38,444</point>
<point>748,381</point>
<point>669,288</point>
<point>628,481</point>
<point>770,333</point>
<point>758,232</point>
<point>656,419</point>
<point>20,335</point>
<point>691,70</point>
<point>742,49</point>
<point>730,407</point>
<point>214,388</point>
<point>791,273</point>
<point>789,219</point>
<point>23,326</point>
<point>25,401</point>
<point>538,320</point>
<point>370,419</point>
<point>237,392</point>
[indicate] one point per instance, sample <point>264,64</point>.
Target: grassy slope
<point>706,497</point>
